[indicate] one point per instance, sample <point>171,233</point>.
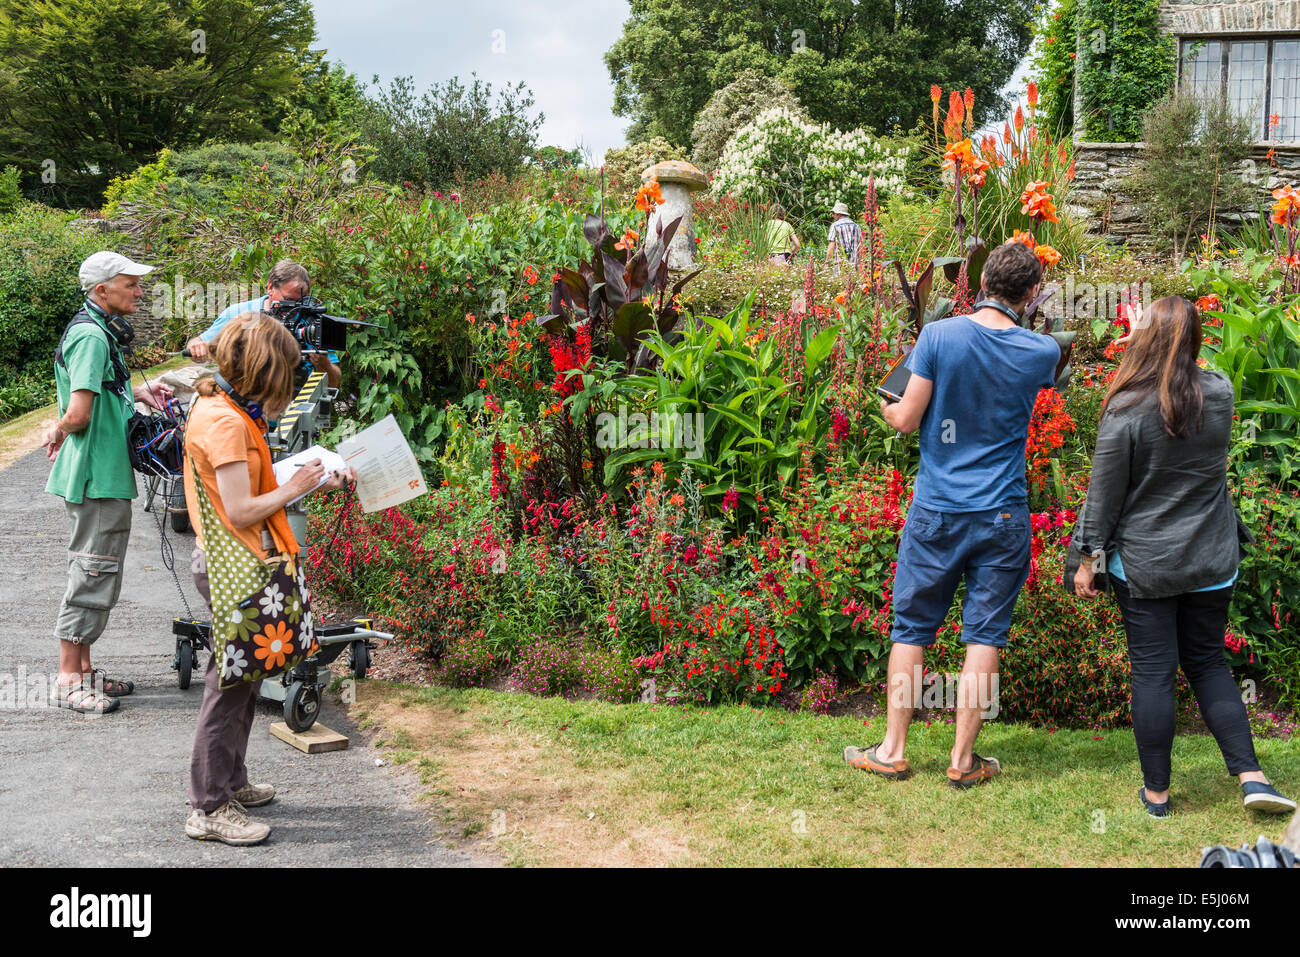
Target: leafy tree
<point>90,89</point>
<point>1055,34</point>
<point>329,102</point>
<point>735,105</point>
<point>853,63</point>
<point>452,129</point>
<point>555,157</point>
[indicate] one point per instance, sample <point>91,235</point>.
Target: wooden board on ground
<point>314,740</point>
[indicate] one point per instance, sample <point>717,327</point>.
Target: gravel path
<point>112,791</point>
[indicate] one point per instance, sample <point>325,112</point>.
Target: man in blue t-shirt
<point>288,280</point>
<point>971,393</point>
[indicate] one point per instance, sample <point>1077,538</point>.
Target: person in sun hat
<point>92,470</point>
<point>844,238</point>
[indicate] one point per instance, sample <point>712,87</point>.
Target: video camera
<point>314,328</point>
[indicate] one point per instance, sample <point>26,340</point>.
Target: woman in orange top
<point>226,451</point>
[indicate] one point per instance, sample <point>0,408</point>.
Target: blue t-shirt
<point>973,432</point>
<point>238,309</point>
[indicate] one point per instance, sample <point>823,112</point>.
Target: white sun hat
<point>104,265</point>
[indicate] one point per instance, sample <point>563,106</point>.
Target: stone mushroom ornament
<point>677,180</point>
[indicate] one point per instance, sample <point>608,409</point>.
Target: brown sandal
<point>82,699</point>
<point>113,687</point>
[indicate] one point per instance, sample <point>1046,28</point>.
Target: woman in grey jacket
<point>1159,518</point>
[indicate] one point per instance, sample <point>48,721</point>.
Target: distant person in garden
<point>1160,513</point>
<point>845,237</point>
<point>228,467</point>
<point>973,383</point>
<point>782,241</point>
<point>92,471</point>
<point>287,280</point>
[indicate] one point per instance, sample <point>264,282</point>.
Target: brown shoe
<point>864,759</point>
<point>255,795</point>
<point>981,770</point>
<point>228,823</point>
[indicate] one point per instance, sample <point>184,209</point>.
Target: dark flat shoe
<point>1154,809</point>
<point>1257,796</point>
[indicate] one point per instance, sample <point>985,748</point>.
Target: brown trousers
<point>217,768</point>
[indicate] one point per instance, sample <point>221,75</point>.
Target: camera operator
<point>288,280</point>
<point>92,469</point>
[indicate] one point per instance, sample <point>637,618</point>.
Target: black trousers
<point>1186,630</point>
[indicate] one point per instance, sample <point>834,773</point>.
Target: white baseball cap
<point>104,265</point>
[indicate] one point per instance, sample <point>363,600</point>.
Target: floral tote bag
<point>261,610</point>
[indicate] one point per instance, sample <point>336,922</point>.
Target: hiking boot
<point>254,795</point>
<point>228,823</point>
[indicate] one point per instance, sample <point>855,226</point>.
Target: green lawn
<point>551,781</point>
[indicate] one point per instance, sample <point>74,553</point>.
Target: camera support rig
<point>298,429</point>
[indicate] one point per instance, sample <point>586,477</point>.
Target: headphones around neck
<point>123,332</point>
<point>1000,307</point>
<point>252,408</point>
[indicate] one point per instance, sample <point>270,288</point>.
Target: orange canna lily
<point>1037,203</point>
<point>628,241</point>
<point>959,157</point>
<point>1023,237</point>
<point>649,196</point>
<point>1048,256</point>
<point>1288,205</point>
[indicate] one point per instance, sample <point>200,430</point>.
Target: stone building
<point>1248,50</point>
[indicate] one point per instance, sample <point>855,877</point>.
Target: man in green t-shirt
<point>92,470</point>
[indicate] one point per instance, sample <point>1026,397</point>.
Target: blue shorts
<point>990,549</point>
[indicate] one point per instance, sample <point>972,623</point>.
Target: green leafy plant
<point>1190,168</point>
<point>1126,60</point>
<point>755,422</point>
<point>1257,346</point>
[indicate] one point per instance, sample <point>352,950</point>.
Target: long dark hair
<point>1161,358</point>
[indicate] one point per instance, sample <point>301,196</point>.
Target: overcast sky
<point>557,47</point>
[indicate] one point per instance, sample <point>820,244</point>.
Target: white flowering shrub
<point>806,167</point>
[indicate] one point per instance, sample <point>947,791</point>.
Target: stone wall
<point>1195,17</point>
<point>147,324</point>
<point>1099,198</point>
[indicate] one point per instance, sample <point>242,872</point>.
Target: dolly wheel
<point>301,706</point>
<point>184,663</point>
<point>180,520</point>
<point>360,659</point>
